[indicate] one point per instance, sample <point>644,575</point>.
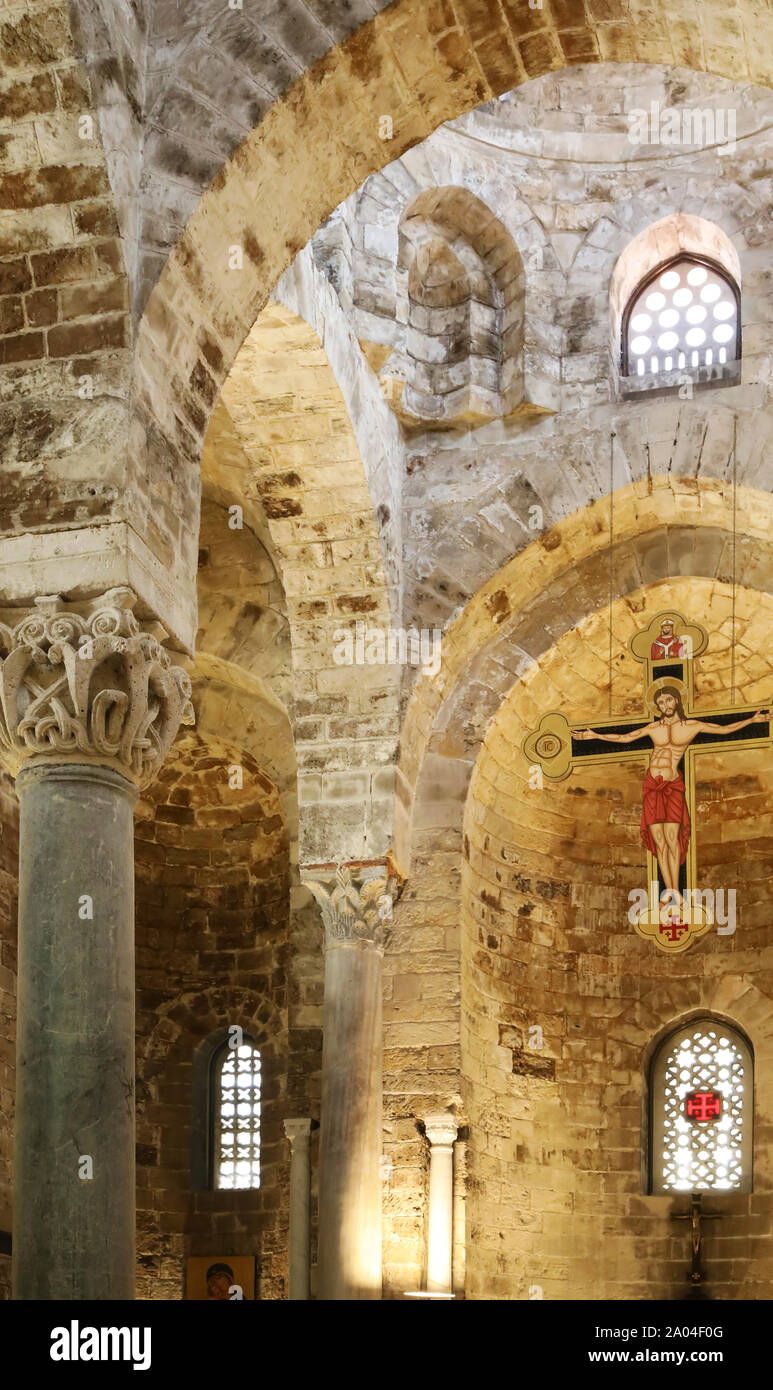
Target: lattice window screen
<point>701,1111</point>
<point>237,1117</point>
<point>682,318</point>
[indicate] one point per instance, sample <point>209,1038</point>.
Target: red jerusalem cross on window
<point>703,1106</point>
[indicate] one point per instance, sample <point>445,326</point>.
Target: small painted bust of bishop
<point>667,647</point>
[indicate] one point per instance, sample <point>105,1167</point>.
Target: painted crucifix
<point>675,912</point>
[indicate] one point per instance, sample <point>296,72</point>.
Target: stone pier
<point>351,1110</point>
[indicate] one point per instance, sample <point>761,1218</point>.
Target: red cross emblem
<point>703,1106</point>
<point>673,930</point>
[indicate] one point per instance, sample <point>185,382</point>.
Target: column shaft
<point>74,1166</point>
<point>350,1133</point>
<point>441,1132</point>
<point>299,1134</point>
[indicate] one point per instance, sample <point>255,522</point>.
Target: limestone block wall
<point>311,290</point>
<point>561,164</point>
<point>212,950</point>
<point>422,1057</point>
<point>63,297</point>
<point>242,611</point>
<point>214,946</point>
<point>199,133</point>
<point>557,1204</point>
<point>111,39</point>
<point>469,509</point>
<point>459,291</point>
<point>556,161</point>
<point>9,851</point>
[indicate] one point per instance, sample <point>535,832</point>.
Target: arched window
<point>682,320</point>
<point>235,1112</point>
<point>701,1110</point>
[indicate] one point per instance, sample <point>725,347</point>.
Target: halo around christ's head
<point>661,683</point>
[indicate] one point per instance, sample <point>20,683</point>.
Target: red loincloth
<point>665,802</point>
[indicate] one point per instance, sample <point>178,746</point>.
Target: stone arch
<point>594,280</point>
<point>731,998</point>
<point>214,882</point>
<point>661,241</point>
<point>375,224</point>
<point>308,289</point>
<point>241,601</point>
<point>545,591</point>
<point>510,897</point>
<point>232,704</point>
<point>301,467</point>
<point>648,1062</point>
<point>460,291</point>
<point>257,1014</point>
<point>430,64</point>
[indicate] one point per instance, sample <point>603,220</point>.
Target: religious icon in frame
<point>675,913</point>
<point>220,1278</point>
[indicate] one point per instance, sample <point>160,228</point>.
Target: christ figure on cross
<point>665,820</point>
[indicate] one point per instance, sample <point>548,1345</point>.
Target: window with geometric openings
<point>701,1111</point>
<point>235,1091</point>
<point>683,317</point>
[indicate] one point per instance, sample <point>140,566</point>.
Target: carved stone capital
<point>356,908</point>
<point>298,1132</point>
<point>83,682</point>
<point>441,1128</point>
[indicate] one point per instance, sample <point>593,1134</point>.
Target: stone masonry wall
<point>560,163</point>
<point>421,1048</point>
<point>557,1205</point>
<point>63,298</point>
<point>212,950</point>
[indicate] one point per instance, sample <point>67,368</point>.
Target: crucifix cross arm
<point>703,727</point>
<point>665,742</point>
<point>630,737</point>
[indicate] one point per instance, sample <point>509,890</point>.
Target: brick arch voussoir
<point>257,1014</point>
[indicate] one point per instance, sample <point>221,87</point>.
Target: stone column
<point>89,705</point>
<point>441,1130</point>
<point>299,1134</point>
<point>460,1221</point>
<point>350,1122</point>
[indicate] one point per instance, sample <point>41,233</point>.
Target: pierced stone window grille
<point>702,1111</point>
<point>682,322</point>
<point>236,1082</point>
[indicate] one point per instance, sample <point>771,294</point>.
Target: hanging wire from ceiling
<point>611,557</point>
<point>735,544</point>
